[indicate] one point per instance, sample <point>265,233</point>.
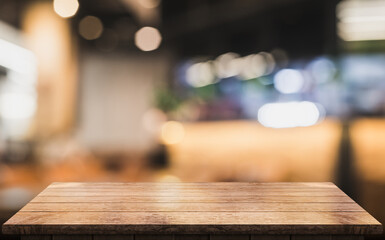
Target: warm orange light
<point>49,38</point>
<point>168,178</point>
<point>149,3</point>
<point>172,132</point>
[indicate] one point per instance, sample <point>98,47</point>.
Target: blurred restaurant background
<point>192,91</point>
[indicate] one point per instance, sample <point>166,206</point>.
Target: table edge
<point>269,229</point>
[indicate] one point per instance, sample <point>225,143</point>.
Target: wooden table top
<point>257,208</point>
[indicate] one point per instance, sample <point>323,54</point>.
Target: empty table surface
<point>192,208</point>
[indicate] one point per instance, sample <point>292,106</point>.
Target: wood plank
<point>208,218</point>
<point>109,185</point>
<point>193,206</point>
<point>229,237</point>
<point>240,190</point>
<point>194,193</point>
<point>194,187</point>
<point>189,189</point>
<point>184,199</point>
<point>154,237</point>
<point>113,237</point>
<point>193,222</point>
<point>270,237</point>
<point>72,237</point>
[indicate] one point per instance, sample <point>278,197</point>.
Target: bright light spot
<point>257,65</point>
<point>168,178</point>
<point>322,70</point>
<point>289,81</point>
<point>149,3</point>
<point>17,106</point>
<point>253,66</point>
<point>289,114</point>
<point>200,74</point>
<point>66,8</point>
<point>90,27</point>
<point>361,20</point>
<point>17,58</point>
<point>270,62</point>
<point>148,39</point>
<point>172,132</point>
<point>228,65</point>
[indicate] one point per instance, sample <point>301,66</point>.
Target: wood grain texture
<point>195,207</point>
<point>194,218</point>
<point>200,199</point>
<point>194,237</point>
<point>195,193</point>
<point>216,185</point>
<point>192,208</point>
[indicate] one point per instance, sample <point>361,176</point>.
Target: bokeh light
<point>227,65</point>
<point>66,8</point>
<point>361,20</point>
<point>289,81</point>
<point>289,114</point>
<point>148,39</point>
<point>322,70</point>
<point>253,66</point>
<point>270,62</point>
<point>168,178</point>
<point>200,74</point>
<point>172,132</point>
<point>22,60</point>
<point>90,27</point>
<point>230,65</point>
<point>149,3</point>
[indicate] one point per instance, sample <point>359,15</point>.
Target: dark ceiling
<point>210,27</point>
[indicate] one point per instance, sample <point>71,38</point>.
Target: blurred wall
<point>49,37</point>
<point>115,92</point>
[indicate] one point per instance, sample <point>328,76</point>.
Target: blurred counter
<point>247,151</point>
